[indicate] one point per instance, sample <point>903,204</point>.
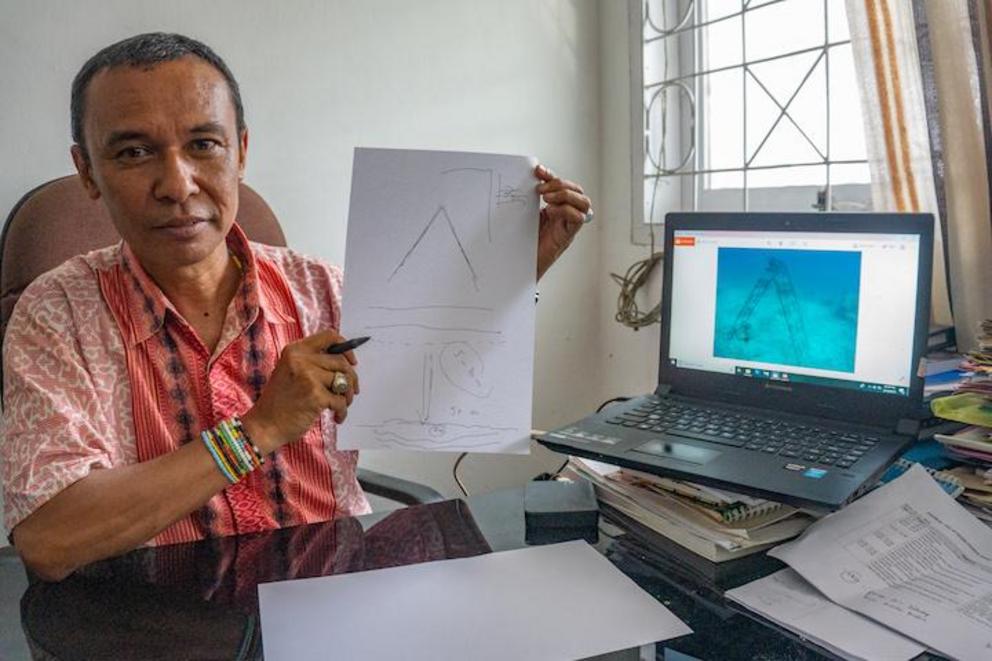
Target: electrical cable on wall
<point>628,311</point>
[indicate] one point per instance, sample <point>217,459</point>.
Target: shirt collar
<point>146,303</point>
<point>258,282</point>
<point>149,307</point>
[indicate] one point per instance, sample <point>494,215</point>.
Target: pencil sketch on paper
<point>445,418</point>
<point>441,212</point>
<point>449,366</point>
<point>509,194</point>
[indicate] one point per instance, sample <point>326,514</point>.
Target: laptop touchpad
<point>679,451</point>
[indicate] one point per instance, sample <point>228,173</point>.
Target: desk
<point>201,598</point>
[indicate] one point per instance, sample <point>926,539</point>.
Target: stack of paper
<point>985,339</point>
<point>722,506</point>
<point>942,362</point>
<point>977,496</point>
<point>792,603</point>
<point>948,372</point>
<point>980,360</point>
<point>944,374</point>
<point>677,511</point>
<point>908,557</point>
<point>973,447</point>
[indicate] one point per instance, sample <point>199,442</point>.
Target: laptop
<point>791,356</point>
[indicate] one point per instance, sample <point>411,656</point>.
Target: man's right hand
<point>299,390</point>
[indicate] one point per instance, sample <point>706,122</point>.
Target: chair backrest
<point>58,220</point>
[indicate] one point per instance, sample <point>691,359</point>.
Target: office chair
<point>57,220</point>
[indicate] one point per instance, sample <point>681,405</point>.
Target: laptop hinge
<point>908,427</point>
<point>663,389</point>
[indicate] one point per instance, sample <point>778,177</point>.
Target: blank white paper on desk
<point>440,271</point>
<point>789,601</point>
<point>562,601</point>
<point>909,557</point>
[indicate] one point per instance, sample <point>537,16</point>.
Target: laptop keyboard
<point>827,447</point>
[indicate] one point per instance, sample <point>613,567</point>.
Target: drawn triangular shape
<point>438,240</point>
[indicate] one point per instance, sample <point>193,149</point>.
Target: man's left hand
<point>566,210</point>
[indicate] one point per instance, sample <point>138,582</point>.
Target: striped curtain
<point>922,67</point>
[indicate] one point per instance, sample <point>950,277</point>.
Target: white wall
<point>320,77</point>
<point>630,364</point>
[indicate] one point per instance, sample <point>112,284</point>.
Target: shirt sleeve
<point>54,430</point>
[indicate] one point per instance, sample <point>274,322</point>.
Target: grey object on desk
<point>560,511</point>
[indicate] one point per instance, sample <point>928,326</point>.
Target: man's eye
<point>132,153</point>
<point>205,145</point>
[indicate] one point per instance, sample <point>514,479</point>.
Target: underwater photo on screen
<point>788,307</point>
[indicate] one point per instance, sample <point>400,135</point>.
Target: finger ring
<point>339,385</point>
<point>586,219</point>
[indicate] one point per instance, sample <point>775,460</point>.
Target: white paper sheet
<point>562,601</point>
<point>908,556</point>
<point>440,271</point>
<point>789,601</point>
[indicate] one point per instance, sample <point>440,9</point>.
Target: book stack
<point>948,372</point>
<point>716,524</point>
<point>972,446</point>
<point>977,496</point>
<point>945,373</point>
<point>981,358</point>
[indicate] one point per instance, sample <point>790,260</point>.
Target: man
<point>177,386</point>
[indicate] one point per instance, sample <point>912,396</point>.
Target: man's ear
<point>242,153</point>
<point>85,170</point>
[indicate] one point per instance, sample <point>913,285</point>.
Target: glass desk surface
<point>200,600</point>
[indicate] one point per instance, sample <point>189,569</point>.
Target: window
<point>745,105</point>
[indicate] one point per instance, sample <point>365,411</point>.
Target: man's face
<point>166,157</point>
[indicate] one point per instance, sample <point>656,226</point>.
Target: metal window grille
<point>673,104</point>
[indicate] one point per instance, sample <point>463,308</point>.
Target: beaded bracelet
<point>236,423</point>
<point>232,450</point>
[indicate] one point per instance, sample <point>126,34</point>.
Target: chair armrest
<point>397,489</point>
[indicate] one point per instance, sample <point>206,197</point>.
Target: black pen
<point>347,345</point>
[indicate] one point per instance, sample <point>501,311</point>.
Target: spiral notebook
<point>944,479</point>
<point>718,504</point>
<point>740,513</point>
<point>678,517</point>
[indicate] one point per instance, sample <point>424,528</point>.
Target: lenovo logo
<point>775,386</point>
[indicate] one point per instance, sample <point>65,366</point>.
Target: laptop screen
<point>825,308</point>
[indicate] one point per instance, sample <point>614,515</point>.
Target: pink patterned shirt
<point>100,371</point>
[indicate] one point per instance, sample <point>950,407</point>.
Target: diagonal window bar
<point>784,111</point>
<point>731,67</point>
<point>787,115</point>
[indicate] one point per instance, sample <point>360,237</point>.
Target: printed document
<point>561,601</point>
<point>440,271</point>
<point>789,601</point>
<point>909,557</point>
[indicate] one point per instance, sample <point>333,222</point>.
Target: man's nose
<point>176,181</point>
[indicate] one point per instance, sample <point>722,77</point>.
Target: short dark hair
<point>146,50</point>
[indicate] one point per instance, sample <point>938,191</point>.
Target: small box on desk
<point>560,511</point>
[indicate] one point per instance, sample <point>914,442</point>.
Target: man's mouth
<point>183,227</point>
<point>182,221</point>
